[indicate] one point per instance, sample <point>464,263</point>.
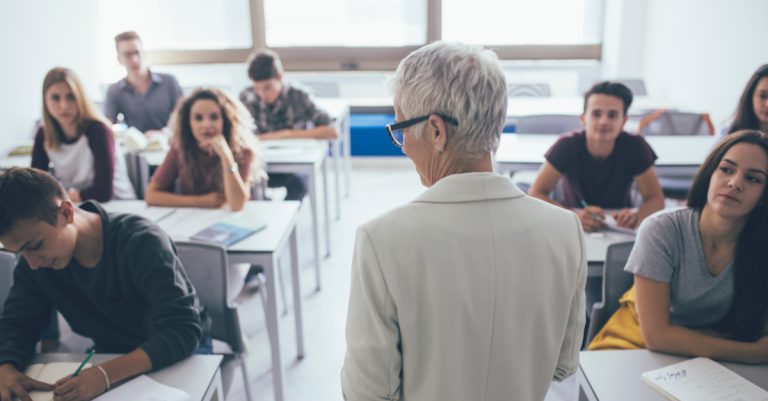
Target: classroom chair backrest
<point>667,122</point>
<point>547,124</point>
<point>207,268</point>
<point>528,90</point>
<point>7,264</point>
<point>615,283</point>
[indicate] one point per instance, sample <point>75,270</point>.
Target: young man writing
<point>115,278</point>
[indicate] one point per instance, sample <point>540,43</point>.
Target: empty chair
<point>637,86</point>
<point>615,283</point>
<point>7,263</point>
<point>547,124</point>
<point>207,267</point>
<point>528,90</point>
<point>322,88</point>
<point>667,122</point>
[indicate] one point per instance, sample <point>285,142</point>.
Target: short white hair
<point>462,81</point>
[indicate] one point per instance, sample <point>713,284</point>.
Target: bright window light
<point>523,22</point>
<point>173,24</point>
<point>292,23</point>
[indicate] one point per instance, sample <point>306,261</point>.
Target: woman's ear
<point>437,127</point>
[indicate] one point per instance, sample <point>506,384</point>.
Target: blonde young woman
<point>76,144</point>
<point>213,154</point>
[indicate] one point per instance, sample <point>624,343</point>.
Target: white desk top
<point>615,375</point>
<point>597,244</point>
<point>292,151</point>
<point>192,375</point>
<point>184,222</point>
<point>672,150</point>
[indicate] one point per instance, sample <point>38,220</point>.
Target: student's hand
<point>218,145</point>
<point>74,195</point>
<point>592,218</point>
<point>15,383</point>
<point>211,200</point>
<point>87,385</point>
<point>627,218</point>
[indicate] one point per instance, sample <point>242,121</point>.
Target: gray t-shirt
<point>148,111</point>
<point>669,249</point>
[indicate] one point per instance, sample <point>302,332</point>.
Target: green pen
<point>87,357</point>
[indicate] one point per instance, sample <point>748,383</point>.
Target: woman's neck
<point>69,130</point>
<point>716,231</point>
<point>449,165</point>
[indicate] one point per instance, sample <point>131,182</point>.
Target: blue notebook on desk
<point>227,234</point>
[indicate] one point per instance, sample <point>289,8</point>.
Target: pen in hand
<point>87,357</point>
<point>594,216</point>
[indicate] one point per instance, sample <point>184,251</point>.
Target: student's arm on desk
<point>653,196</point>
<point>373,363</point>
<point>236,182</point>
<point>545,183</point>
<point>90,383</point>
<point>319,132</point>
<point>159,197</point>
<point>659,335</point>
<point>568,362</point>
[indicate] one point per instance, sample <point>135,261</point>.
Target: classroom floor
<point>378,184</point>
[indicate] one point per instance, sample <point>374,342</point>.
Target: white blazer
<point>474,291</point>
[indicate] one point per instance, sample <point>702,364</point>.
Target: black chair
<point>615,283</point>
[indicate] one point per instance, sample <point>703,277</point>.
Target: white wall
<point>706,62</point>
<point>698,55</point>
<point>36,35</point>
<point>624,36</point>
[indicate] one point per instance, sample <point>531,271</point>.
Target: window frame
<point>340,58</point>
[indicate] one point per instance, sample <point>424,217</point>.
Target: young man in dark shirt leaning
<point>114,277</point>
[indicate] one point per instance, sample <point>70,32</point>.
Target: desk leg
<point>215,390</point>
<point>273,325</point>
<point>337,161</point>
<point>326,208</point>
<point>297,294</point>
<point>347,152</point>
<point>312,190</point>
<point>585,389</point>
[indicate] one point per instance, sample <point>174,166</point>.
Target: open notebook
<point>143,388</point>
<point>611,225</point>
<point>50,373</point>
<point>702,379</point>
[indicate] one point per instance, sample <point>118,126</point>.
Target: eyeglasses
<point>397,133</point>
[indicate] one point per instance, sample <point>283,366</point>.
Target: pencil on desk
<point>87,357</point>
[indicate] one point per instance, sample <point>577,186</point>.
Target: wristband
<point>106,378</point>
